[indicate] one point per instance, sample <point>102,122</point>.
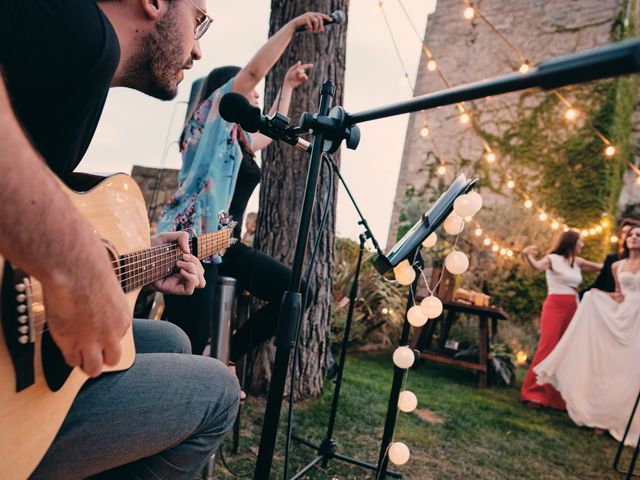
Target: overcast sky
<point>134,128</point>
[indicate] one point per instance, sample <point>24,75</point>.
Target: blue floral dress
<point>211,158</point>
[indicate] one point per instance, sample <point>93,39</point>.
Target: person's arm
<point>296,76</point>
<point>258,67</point>
<point>588,266</point>
<point>42,233</point>
<point>617,294</point>
<point>530,253</point>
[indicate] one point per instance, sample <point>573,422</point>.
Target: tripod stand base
<point>327,451</point>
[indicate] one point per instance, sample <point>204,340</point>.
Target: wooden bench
<point>423,341</point>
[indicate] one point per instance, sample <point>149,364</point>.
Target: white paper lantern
<point>407,401</point>
<point>403,357</point>
<point>404,273</point>
<point>430,241</point>
<point>476,201</point>
<point>454,224</point>
<point>431,306</point>
<point>399,453</point>
<point>456,262</point>
<point>416,317</point>
<point>464,206</point>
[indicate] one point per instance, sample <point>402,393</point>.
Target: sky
<point>138,130</point>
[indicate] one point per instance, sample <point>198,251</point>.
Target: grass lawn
<point>484,434</point>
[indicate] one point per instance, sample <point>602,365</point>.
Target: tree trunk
<point>284,175</point>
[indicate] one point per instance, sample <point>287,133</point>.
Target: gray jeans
<point>161,419</point>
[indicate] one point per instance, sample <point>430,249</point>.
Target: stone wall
<point>469,51</point>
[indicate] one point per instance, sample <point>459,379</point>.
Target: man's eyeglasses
<point>202,24</point>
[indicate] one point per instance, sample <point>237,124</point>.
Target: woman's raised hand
<point>297,74</point>
<point>530,250</point>
<point>312,20</point>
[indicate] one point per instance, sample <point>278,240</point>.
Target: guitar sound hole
<point>56,371</point>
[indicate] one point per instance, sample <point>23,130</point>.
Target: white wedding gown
<point>596,364</point>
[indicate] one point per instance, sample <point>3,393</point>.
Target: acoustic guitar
<point>36,386</point>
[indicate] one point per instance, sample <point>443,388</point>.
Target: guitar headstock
<point>229,239</point>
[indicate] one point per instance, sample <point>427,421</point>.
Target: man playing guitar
<point>164,416</point>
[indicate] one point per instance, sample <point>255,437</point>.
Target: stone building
<point>467,51</point>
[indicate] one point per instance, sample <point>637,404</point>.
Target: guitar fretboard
<point>137,269</point>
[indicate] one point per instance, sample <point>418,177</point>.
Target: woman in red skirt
<point>563,269</point>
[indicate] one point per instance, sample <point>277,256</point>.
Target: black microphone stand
<point>327,448</point>
<point>291,307</point>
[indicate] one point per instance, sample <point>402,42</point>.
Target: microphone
<point>338,17</point>
<point>235,108</point>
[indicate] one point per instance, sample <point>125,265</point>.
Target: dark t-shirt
<point>248,178</point>
<point>58,57</point>
<point>605,280</point>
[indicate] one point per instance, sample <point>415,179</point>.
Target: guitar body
<point>31,413</point>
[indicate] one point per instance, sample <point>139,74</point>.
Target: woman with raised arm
<point>595,365</point>
<point>563,269</point>
<point>214,154</point>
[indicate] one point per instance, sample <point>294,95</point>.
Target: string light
<point>431,65</point>
<point>442,170</point>
<point>469,13</point>
<point>610,151</point>
<point>584,233</point>
<point>495,248</point>
<point>528,204</point>
<point>478,232</point>
<point>430,241</point>
<point>555,225</point>
<point>524,68</point>
<point>613,239</point>
<point>465,118</point>
<point>491,157</point>
<point>570,114</point>
<point>592,231</point>
<point>511,184</point>
<point>403,357</point>
<point>543,216</point>
<point>487,241</point>
<point>425,131</point>
<point>407,401</point>
<point>399,453</point>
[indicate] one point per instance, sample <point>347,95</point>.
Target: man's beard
<point>153,70</point>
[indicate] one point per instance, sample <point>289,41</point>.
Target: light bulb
<point>613,239</point>
<point>456,262</point>
<point>469,13</point>
<point>430,241</point>
<point>424,132</point>
<point>491,157</point>
<point>524,68</point>
<point>454,224</point>
<point>610,151</point>
<point>592,231</point>
<point>403,357</point>
<point>463,206</point>
<point>495,248</point>
<point>442,170</point>
<point>584,233</point>
<point>431,65</point>
<point>431,306</point>
<point>503,251</point>
<point>487,241</point>
<point>476,200</point>
<point>464,118</point>
<point>509,253</point>
<point>555,225</point>
<point>385,310</point>
<point>416,317</point>
<point>528,204</point>
<point>570,114</point>
<point>605,223</point>
<point>404,273</point>
<point>638,179</point>
<point>478,232</point>
<point>598,229</point>
<point>407,401</point>
<point>399,453</point>
<point>511,184</point>
<point>565,229</point>
<point>543,216</point>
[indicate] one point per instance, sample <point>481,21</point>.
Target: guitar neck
<point>140,268</point>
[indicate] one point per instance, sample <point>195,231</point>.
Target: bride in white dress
<point>596,364</point>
